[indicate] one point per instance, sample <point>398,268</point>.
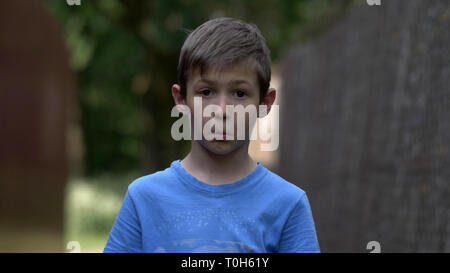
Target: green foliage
<point>125,53</point>
<point>106,57</point>
<point>91,207</point>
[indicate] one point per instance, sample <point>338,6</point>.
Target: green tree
<point>125,55</point>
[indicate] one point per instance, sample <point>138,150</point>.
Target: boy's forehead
<point>238,73</point>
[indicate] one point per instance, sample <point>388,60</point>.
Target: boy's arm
<point>299,233</point>
<point>125,235</point>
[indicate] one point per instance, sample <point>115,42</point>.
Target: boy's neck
<point>218,169</point>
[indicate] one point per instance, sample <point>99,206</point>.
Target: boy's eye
<point>240,93</point>
<point>205,92</point>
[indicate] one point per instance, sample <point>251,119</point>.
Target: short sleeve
<point>125,235</point>
<point>299,232</point>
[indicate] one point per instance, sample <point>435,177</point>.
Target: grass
<point>91,207</point>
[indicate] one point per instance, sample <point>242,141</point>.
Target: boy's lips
<point>223,135</point>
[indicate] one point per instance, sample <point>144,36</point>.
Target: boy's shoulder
<point>149,182</point>
<point>285,187</point>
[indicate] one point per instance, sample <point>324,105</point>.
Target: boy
<point>217,199</point>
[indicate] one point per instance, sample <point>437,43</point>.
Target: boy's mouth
<point>223,135</point>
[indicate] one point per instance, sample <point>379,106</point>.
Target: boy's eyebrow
<point>237,81</point>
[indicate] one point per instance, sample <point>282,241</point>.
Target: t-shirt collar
<point>192,182</point>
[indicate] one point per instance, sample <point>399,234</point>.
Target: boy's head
<point>224,61</point>
<point>221,42</point>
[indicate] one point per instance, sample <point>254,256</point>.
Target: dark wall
<point>35,83</point>
<point>366,127</point>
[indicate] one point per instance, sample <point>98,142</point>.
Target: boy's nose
<point>222,103</point>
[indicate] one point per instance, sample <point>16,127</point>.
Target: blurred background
<point>364,114</point>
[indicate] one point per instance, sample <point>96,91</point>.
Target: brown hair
<point>224,41</point>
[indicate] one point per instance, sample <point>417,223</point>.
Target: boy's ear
<point>269,99</point>
<point>177,96</point>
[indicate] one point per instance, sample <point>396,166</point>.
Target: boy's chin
<point>221,147</point>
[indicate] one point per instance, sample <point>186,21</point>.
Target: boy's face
<point>236,84</point>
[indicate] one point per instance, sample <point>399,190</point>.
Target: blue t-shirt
<point>172,211</point>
